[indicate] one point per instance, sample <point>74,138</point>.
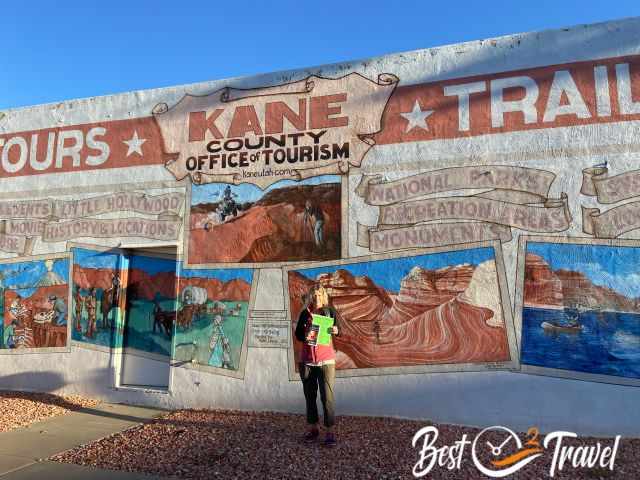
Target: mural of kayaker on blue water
<point>581,308</point>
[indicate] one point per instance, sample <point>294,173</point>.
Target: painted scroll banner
<point>550,216</point>
<point>168,203</point>
<point>613,222</point>
<point>596,182</point>
<point>94,228</point>
<point>120,202</point>
<point>16,244</point>
<point>376,191</point>
<point>26,209</point>
<point>315,126</point>
<point>387,238</point>
<point>516,197</point>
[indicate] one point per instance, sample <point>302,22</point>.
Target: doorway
<point>149,315</point>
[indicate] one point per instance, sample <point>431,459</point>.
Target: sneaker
<point>330,440</point>
<point>311,436</point>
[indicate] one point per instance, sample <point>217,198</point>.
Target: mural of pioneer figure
<point>20,331</point>
<point>96,285</point>
<point>58,309</point>
<point>35,303</point>
<point>17,310</point>
<point>212,317</point>
<point>92,305</point>
<point>229,206</point>
<point>219,346</point>
<point>111,298</point>
<point>79,304</point>
<point>314,219</point>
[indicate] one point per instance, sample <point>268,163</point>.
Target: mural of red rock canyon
<point>289,221</point>
<point>431,309</point>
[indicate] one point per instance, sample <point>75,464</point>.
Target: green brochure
<point>319,334</point>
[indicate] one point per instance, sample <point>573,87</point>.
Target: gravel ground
<point>229,444</point>
<point>21,408</point>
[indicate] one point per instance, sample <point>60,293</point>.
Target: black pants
<point>322,378</point>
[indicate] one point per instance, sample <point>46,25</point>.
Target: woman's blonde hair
<point>310,297</point>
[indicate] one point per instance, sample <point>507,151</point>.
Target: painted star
<point>417,118</point>
<point>135,144</point>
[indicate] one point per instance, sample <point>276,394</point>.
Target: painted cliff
<point>448,315</point>
<point>271,229</point>
<point>545,288</point>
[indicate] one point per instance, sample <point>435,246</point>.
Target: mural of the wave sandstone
<point>449,315</point>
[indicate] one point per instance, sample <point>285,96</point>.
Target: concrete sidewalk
<point>23,452</point>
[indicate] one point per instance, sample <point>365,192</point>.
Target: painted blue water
<point>609,343</point>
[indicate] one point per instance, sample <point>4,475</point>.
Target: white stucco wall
<point>482,398</point>
<point>475,398</point>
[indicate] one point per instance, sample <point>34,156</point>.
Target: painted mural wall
<point>468,208</point>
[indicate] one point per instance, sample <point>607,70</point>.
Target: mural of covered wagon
<point>193,301</point>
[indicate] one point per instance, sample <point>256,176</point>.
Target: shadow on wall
<point>49,381</point>
<point>91,382</point>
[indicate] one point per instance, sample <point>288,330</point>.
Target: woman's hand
<point>333,330</point>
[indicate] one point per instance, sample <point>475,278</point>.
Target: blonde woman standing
<point>317,366</point>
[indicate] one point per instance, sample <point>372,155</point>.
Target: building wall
<point>475,282</point>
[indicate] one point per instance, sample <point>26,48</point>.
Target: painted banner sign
<point>116,202</point>
<point>596,182</point>
<point>22,221</point>
<point>95,228</point>
<point>517,197</point>
<point>580,93</point>
<point>316,126</point>
<point>16,244</point>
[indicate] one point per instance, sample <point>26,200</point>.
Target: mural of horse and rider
<point>96,291</point>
